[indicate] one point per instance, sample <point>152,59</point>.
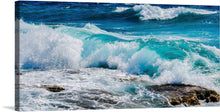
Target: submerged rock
<point>54,88</point>
<point>185,94</point>
<point>73,71</point>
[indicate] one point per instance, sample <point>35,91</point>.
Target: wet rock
<point>54,88</point>
<point>175,101</point>
<point>212,98</point>
<point>18,73</point>
<point>185,94</point>
<point>128,79</point>
<point>190,100</point>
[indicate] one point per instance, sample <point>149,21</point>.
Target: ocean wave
<point>43,47</point>
<point>147,12</point>
<point>159,61</point>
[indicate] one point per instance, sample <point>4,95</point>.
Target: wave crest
<point>90,46</point>
<point>42,47</point>
<point>121,9</point>
<point>148,12</point>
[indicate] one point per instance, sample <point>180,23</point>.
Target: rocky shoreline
<point>188,95</point>
<point>97,88</point>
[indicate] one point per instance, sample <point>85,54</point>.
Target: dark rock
<point>185,94</point>
<point>212,98</point>
<point>128,79</point>
<point>63,106</point>
<point>191,100</point>
<point>18,73</point>
<point>54,88</point>
<point>175,101</point>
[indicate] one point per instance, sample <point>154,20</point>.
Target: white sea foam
<point>142,60</point>
<point>121,9</point>
<point>215,50</point>
<point>177,71</point>
<point>122,55</point>
<point>43,47</point>
<point>154,12</point>
<point>91,29</point>
<point>80,85</point>
<point>109,53</point>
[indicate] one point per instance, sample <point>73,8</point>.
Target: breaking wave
<point>43,47</point>
<point>148,12</point>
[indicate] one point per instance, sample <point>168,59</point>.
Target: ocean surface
<point>104,54</point>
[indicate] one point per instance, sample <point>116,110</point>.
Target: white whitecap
<point>154,12</point>
<point>121,9</point>
<point>44,47</point>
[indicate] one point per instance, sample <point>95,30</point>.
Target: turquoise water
<point>163,43</point>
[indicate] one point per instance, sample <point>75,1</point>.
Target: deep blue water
<point>189,24</point>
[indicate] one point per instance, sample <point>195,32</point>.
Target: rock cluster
<point>185,94</point>
<point>176,94</point>
<point>54,88</point>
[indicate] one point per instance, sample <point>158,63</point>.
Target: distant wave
<point>154,12</point>
<point>148,12</point>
